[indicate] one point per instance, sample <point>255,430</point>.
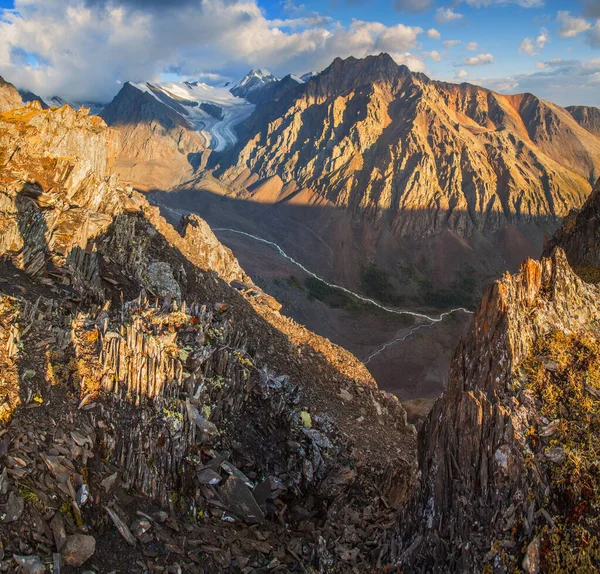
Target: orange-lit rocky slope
<point>157,410</point>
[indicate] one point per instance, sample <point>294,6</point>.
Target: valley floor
<point>408,357</point>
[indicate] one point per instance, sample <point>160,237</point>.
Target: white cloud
<point>542,39</point>
<point>571,26</point>
<point>565,82</point>
<point>480,60</point>
<point>447,15</point>
<point>451,43</point>
<point>527,47</point>
<point>433,34</point>
<point>415,63</point>
<point>434,55</point>
<point>461,74</point>
<point>84,49</point>
<point>472,46</point>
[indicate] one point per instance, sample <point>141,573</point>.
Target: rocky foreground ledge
<point>508,464</point>
<point>158,413</point>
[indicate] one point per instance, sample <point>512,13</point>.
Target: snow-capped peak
<point>307,76</point>
<point>252,81</point>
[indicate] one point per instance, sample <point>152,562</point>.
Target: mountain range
<point>385,165</point>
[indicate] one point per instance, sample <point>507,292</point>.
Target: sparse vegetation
<point>293,281</point>
<point>336,298</point>
<point>564,374</point>
<point>460,293</point>
<point>375,282</point>
<point>333,297</point>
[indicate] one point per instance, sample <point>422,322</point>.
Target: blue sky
<point>88,48</point>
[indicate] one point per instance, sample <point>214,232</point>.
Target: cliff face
<point>587,117</point>
<point>499,450</point>
<point>370,136</point>
<point>579,237</point>
<point>156,406</point>
<point>9,96</point>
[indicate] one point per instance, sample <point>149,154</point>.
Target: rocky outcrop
<point>490,454</point>
<point>28,96</point>
<point>587,117</point>
<point>151,409</point>
<point>389,145</point>
<point>9,97</point>
<point>579,237</point>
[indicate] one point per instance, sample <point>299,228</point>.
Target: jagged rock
<point>209,252</point>
<point>474,452</point>
<point>206,428</point>
<point>240,501</point>
<point>140,527</point>
<point>14,507</point>
<point>531,562</point>
<point>160,280</point>
<point>579,237</point>
<point>77,549</point>
<point>121,526</point>
<point>109,482</point>
<point>208,476</point>
<point>58,531</point>
<point>155,390</point>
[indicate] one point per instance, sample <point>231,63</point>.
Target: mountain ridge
<point>144,372</point>
<point>372,173</point>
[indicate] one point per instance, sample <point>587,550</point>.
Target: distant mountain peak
<point>252,82</point>
<point>308,76</point>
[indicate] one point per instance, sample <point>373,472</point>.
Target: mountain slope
<point>587,117</point>
<point>579,237</point>
<point>369,136</point>
<point>156,140</point>
<point>165,129</point>
<point>157,409</point>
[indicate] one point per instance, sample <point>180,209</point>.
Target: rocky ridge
<point>158,144</point>
<point>158,410</point>
<point>496,449</point>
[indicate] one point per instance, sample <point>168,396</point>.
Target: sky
<point>84,50</point>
